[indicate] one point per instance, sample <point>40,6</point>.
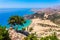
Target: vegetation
<point>46,25</point>
<point>23,29</point>
<point>31,37</point>
<point>34,37</point>
<point>16,20</point>
<point>55,18</point>
<point>4,33</point>
<point>51,37</point>
<point>30,29</point>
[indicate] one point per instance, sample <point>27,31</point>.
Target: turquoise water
<point>5,13</point>
<point>28,22</point>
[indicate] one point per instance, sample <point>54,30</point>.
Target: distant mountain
<point>48,11</point>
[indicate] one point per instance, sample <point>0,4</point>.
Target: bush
<point>34,37</point>
<point>30,29</point>
<point>51,37</point>
<point>4,33</point>
<point>23,29</point>
<point>31,37</point>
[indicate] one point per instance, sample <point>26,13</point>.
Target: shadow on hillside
<point>23,32</point>
<point>46,25</point>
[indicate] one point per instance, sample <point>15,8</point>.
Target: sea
<point>5,13</point>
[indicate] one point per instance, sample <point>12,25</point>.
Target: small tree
<point>16,20</point>
<point>23,29</point>
<point>4,35</point>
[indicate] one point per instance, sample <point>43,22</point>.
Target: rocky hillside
<point>41,12</point>
<point>52,14</point>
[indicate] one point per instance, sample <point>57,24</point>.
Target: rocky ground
<point>14,35</point>
<point>41,27</point>
<point>44,30</point>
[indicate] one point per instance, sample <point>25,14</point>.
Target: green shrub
<point>31,37</point>
<point>51,37</point>
<point>23,29</point>
<point>34,37</point>
<point>4,33</point>
<point>30,29</point>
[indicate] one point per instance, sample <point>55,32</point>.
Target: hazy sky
<point>28,3</point>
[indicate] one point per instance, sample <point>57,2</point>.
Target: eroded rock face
<point>14,35</point>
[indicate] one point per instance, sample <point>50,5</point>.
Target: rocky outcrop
<point>14,35</point>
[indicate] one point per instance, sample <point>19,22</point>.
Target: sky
<point>28,3</point>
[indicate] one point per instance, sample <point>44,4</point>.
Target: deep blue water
<point>5,13</point>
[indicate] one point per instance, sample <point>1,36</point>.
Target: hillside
<point>52,14</point>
